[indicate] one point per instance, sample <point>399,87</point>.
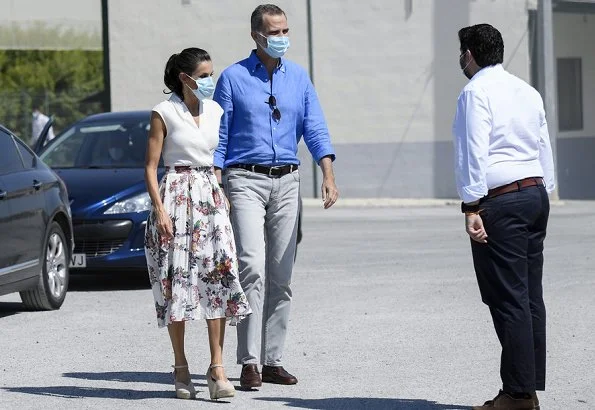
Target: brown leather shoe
<point>250,377</point>
<point>504,401</point>
<point>277,375</point>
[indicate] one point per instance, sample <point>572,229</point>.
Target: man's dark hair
<point>256,18</point>
<point>485,43</point>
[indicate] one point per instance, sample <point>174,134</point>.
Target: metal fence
<point>16,108</point>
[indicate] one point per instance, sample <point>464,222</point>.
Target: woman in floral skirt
<point>189,241</point>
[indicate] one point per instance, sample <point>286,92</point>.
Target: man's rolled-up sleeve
<point>472,129</point>
<point>224,98</point>
<point>546,158</point>
<point>316,135</point>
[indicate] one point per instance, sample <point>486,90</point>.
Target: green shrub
<point>67,84</point>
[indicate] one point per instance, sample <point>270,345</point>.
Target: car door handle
<point>36,184</point>
<point>2,194</point>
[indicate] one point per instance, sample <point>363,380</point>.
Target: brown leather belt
<point>270,171</point>
<point>187,168</point>
<point>515,186</point>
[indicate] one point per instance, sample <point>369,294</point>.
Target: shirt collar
<point>178,104</point>
<point>487,70</point>
<point>255,63</point>
<point>182,110</point>
<point>175,98</point>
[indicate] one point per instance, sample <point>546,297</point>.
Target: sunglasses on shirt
<point>273,105</point>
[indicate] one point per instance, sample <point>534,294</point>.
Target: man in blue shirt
<point>268,104</point>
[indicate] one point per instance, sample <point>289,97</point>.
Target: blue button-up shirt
<point>249,134</point>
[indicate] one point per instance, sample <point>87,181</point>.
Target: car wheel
<point>53,282</point>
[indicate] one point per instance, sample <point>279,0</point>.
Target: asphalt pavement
<point>386,315</point>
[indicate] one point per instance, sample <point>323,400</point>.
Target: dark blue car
<point>35,227</point>
<point>101,160</point>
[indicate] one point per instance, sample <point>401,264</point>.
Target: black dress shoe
<point>277,375</point>
<point>250,377</point>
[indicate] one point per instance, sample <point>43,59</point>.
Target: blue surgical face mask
<point>206,87</point>
<point>276,45</point>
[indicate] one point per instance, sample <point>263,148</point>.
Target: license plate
<point>78,260</point>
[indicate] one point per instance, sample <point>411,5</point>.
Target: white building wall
<point>144,34</point>
<point>567,29</point>
<point>573,37</point>
<point>387,75</point>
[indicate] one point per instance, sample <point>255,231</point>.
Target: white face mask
<point>466,65</point>
<point>205,87</point>
<point>276,45</point>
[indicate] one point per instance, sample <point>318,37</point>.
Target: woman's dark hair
<point>185,62</point>
<point>485,43</point>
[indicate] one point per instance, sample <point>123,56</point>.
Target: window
<point>570,94</point>
<point>10,160</point>
<point>26,154</point>
<point>120,144</point>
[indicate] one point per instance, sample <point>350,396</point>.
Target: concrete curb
<point>393,202</point>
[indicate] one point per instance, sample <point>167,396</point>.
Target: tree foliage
<point>62,82</point>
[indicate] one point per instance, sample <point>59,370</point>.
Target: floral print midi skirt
<point>195,274</point>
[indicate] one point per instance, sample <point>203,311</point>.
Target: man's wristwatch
<point>466,208</point>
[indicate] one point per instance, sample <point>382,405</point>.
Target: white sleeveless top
<point>186,143</point>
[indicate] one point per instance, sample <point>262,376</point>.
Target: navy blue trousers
<point>509,271</point>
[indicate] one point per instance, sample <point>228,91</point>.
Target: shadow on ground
<point>89,282</point>
<point>331,403</point>
<point>77,392</point>
<point>11,308</point>
<point>364,403</point>
<point>97,281</point>
<point>111,393</point>
<point>137,377</point>
<point>337,403</point>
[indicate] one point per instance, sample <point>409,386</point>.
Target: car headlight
<point>138,203</point>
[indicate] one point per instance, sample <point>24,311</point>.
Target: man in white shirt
<point>504,171</point>
<point>38,122</point>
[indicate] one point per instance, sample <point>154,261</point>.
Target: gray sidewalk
<point>386,315</point>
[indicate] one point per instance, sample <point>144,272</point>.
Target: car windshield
<point>120,144</point>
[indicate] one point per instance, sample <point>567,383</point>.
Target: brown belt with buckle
<point>270,171</point>
<point>187,168</point>
<point>515,186</point>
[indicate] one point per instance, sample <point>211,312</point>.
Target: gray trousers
<point>264,214</point>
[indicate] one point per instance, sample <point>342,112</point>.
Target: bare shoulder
<point>163,107</point>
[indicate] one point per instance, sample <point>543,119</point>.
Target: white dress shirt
<point>185,143</point>
<point>500,134</point>
<point>38,122</point>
